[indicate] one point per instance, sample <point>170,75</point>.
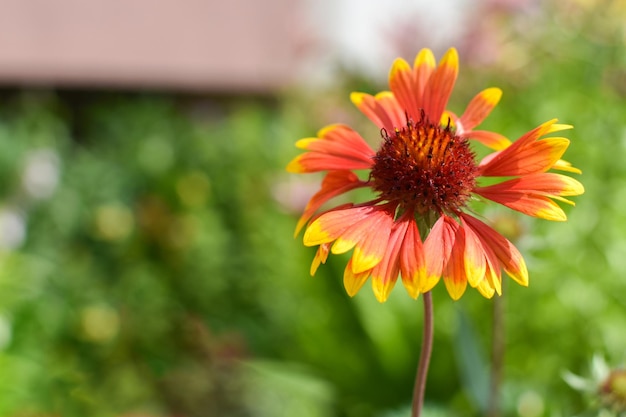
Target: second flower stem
<point>424,361</point>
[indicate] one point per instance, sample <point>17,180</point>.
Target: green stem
<point>427,347</point>
<point>497,357</point>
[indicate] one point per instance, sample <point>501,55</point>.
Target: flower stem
<point>497,357</point>
<point>427,347</point>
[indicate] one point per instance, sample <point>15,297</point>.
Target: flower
<point>424,175</point>
<point>606,386</point>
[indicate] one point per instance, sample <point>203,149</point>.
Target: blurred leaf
<point>472,361</point>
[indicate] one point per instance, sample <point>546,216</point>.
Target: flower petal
<point>370,249</point>
<point>366,229</point>
<point>485,289</point>
<point>438,247</point>
<point>548,183</point>
<point>527,155</point>
<point>493,275</point>
<point>537,157</point>
<point>531,194</point>
<point>334,184</point>
<point>403,86</point>
<point>382,109</point>
<point>337,147</point>
<point>440,85</point>
<point>331,224</point>
<point>412,262</point>
<point>320,257</point>
<point>475,262</point>
<point>355,232</point>
<point>423,67</point>
<point>385,273</point>
<point>474,265</point>
<point>566,166</point>
<point>479,108</point>
<point>509,257</point>
<point>454,271</point>
<point>534,205</point>
<point>353,282</point>
<point>491,140</point>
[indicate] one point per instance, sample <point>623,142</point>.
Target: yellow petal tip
<point>399,65</point>
<point>314,235</point>
<point>451,58</point>
<point>295,167</point>
<point>492,95</point>
<point>357,98</point>
<point>425,58</point>
<point>381,291</point>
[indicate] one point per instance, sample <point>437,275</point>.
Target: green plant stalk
<point>427,347</point>
<point>497,357</point>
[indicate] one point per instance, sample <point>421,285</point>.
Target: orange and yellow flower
<point>424,175</point>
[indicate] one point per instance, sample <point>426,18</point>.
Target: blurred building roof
<point>207,45</point>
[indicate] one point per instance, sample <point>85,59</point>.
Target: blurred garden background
<point>147,260</point>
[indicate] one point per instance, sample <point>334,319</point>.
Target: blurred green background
<point>148,268</point>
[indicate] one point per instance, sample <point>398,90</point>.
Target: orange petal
<point>528,154</point>
<point>493,275</point>
<point>440,85</point>
<point>383,109</point>
<point>402,85</point>
<point>566,166</point>
<point>547,183</point>
<point>337,147</point>
<point>534,205</point>
<point>534,134</point>
<point>356,232</point>
<point>475,262</point>
<point>334,184</point>
<point>388,102</point>
<point>531,194</point>
<point>320,257</point>
<point>491,140</point>
<point>412,262</point>
<point>486,289</point>
<point>423,67</point>
<point>454,270</point>
<point>385,273</point>
<point>556,127</point>
<point>509,257</point>
<point>353,282</point>
<point>479,108</point>
<point>438,247</point>
<point>341,137</point>
<point>371,247</point>
<point>331,224</point>
<point>534,158</point>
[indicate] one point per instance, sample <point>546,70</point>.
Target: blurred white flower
<point>41,173</point>
<point>12,228</point>
<point>6,332</point>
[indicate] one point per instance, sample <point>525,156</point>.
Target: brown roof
<point>229,46</point>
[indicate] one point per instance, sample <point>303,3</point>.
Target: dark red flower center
<point>425,167</point>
